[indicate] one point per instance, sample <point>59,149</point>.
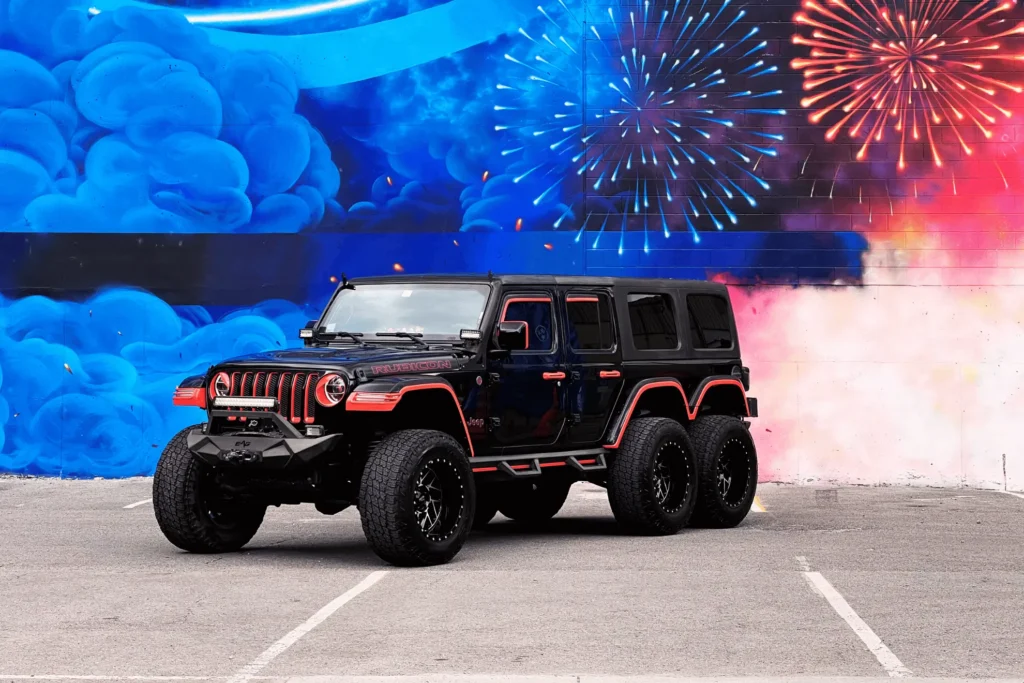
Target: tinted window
<point>590,322</point>
<point>709,322</point>
<point>653,321</point>
<point>536,313</point>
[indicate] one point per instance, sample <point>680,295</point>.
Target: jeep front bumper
<point>271,452</point>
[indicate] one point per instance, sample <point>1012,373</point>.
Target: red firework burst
<point>908,64</point>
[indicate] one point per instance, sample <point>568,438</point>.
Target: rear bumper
<point>260,452</point>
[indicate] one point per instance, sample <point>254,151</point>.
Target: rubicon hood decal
<point>413,366</point>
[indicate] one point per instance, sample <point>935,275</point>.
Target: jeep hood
<point>338,356</point>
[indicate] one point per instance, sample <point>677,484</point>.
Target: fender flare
<point>692,407</point>
<point>191,392</point>
<point>383,396</point>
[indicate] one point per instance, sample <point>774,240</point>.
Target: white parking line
<point>135,505</point>
<point>249,671</point>
<point>820,585</point>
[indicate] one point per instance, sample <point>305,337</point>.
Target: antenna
<point>490,275</point>
<point>344,280</point>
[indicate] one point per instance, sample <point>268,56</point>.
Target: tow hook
<point>244,457</point>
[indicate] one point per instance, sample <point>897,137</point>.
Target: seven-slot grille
<point>295,391</point>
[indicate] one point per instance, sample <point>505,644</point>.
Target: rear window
<point>652,318</point>
<point>590,322</point>
<point>709,321</point>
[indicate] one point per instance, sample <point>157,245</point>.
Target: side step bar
<point>532,465</point>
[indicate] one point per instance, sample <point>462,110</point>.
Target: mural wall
<point>185,180</point>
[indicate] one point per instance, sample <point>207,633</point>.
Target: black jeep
<point>433,402</point>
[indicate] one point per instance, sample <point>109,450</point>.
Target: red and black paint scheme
<point>525,396</point>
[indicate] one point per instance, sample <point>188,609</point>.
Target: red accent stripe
<point>552,464</point>
<point>522,300</point>
<point>306,417</point>
<point>519,467</point>
<point>234,382</point>
<point>244,376</point>
<point>582,300</point>
<point>295,380</point>
<point>280,388</point>
<point>485,469</point>
<point>386,402</point>
<point>609,374</point>
<point>587,462</point>
<point>691,413</point>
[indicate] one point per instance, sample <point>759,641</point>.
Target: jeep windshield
<point>437,311</point>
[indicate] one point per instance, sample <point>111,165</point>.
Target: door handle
<point>553,375</point>
<point>609,374</point>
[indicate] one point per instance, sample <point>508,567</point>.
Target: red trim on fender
<point>720,382</point>
<point>691,413</point>
<point>190,397</point>
<point>385,402</point>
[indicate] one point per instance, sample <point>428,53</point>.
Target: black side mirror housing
<point>308,333</point>
<point>512,335</point>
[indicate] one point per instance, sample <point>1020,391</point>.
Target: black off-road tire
<point>723,440</point>
<point>388,504</point>
<point>533,502</point>
<point>632,484</point>
<point>186,512</point>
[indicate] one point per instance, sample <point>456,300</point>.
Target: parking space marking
<point>820,585</point>
<point>135,505</point>
<point>249,671</point>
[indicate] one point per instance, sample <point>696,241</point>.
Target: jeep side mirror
<point>307,333</point>
<point>512,335</point>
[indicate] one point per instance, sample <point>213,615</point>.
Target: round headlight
<point>221,385</point>
<point>330,390</point>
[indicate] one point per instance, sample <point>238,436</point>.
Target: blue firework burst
<point>669,117</point>
<point>541,109</point>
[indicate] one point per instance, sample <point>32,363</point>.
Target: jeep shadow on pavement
<point>433,402</point>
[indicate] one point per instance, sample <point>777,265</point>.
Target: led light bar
<point>244,402</point>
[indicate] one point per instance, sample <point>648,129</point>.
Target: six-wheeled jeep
<point>431,403</point>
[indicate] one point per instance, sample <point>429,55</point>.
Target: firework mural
<point>899,69</point>
<point>671,122</point>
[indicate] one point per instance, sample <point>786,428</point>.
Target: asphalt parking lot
<point>850,584</point>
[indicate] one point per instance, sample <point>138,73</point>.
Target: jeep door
<point>593,361</point>
<point>527,387</point>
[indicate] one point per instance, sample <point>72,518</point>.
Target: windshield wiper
<point>415,336</point>
<point>354,336</point>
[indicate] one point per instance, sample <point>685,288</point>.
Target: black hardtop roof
<point>565,280</point>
